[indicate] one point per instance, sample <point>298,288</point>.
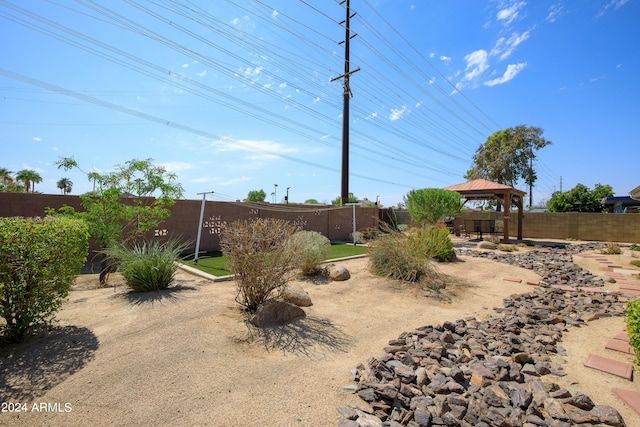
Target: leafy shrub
<point>432,242</point>
<point>39,260</point>
<point>507,248</point>
<point>147,266</point>
<point>312,247</point>
<point>402,227</point>
<point>612,249</point>
<point>632,319</point>
<point>358,238</point>
<point>636,262</point>
<point>261,256</point>
<point>371,233</point>
<point>634,247</point>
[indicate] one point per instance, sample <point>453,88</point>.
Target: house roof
<point>635,193</point>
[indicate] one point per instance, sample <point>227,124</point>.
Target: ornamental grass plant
<point>149,265</point>
<point>312,247</point>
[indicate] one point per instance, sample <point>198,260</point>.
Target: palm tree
<point>30,178</point>
<point>5,176</point>
<point>65,185</point>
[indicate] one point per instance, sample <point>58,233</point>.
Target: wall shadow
<point>39,363</point>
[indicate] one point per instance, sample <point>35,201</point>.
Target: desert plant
<point>260,258</point>
<point>507,248</point>
<point>634,247</point>
<point>39,260</point>
<point>632,319</point>
<point>432,205</point>
<point>393,256</point>
<point>358,238</point>
<point>432,242</point>
<point>147,266</point>
<point>612,249</point>
<point>636,262</point>
<point>312,247</point>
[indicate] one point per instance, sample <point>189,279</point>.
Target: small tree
<point>256,196</point>
<point>30,178</point>
<point>127,202</point>
<point>260,255</point>
<point>311,202</point>
<point>429,206</point>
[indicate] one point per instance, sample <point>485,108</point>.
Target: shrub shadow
<point>170,294</point>
<point>305,336</point>
<point>39,363</point>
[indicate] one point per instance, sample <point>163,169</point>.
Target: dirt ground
<point>186,357</point>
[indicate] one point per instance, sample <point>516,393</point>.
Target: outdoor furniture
<point>479,226</point>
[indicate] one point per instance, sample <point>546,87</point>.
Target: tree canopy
<point>579,199</point>
<point>256,196</point>
<point>507,156</point>
<point>30,178</point>
<point>432,205</point>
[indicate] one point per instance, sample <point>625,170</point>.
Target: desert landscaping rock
<point>501,371</point>
<point>274,313</point>
<point>296,295</point>
<point>336,272</point>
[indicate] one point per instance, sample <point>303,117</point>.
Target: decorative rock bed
<point>494,372</point>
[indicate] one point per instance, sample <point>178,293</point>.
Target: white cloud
<point>37,138</point>
<point>55,148</point>
<point>509,74</point>
<point>177,166</point>
<point>203,73</point>
<point>445,59</point>
<point>504,47</point>
<point>613,3</point>
<point>233,181</point>
<point>510,13</point>
<point>477,63</point>
<point>554,12</point>
<point>266,149</point>
<point>274,14</point>
<point>397,114</point>
<point>372,116</point>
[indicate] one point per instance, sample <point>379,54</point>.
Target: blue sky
<point>236,95</point>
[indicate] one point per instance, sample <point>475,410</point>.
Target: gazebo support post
<point>520,216</point>
<point>506,204</point>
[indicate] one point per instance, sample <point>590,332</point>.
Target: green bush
<point>636,262</point>
<point>312,247</point>
<point>147,266</point>
<point>634,247</point>
<point>433,242</point>
<point>632,319</point>
<point>39,260</point>
<point>260,255</point>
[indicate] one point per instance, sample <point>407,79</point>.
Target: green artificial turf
<point>215,263</point>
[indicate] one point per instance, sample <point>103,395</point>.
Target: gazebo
<point>505,195</point>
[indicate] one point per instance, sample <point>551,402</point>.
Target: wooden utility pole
<point>344,190</point>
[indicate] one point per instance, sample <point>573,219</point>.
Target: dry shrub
<point>312,247</point>
<point>612,249</point>
<point>260,255</point>
<point>507,248</point>
<point>394,256</point>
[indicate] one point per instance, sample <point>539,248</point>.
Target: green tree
<point>579,199</point>
<point>507,156</point>
<point>338,200</point>
<point>127,203</point>
<point>65,185</point>
<point>5,176</point>
<point>255,196</point>
<point>429,206</point>
<point>311,202</point>
<point>30,178</point>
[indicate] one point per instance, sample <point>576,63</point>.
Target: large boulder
<point>336,272</point>
<point>296,295</point>
<point>275,313</point>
